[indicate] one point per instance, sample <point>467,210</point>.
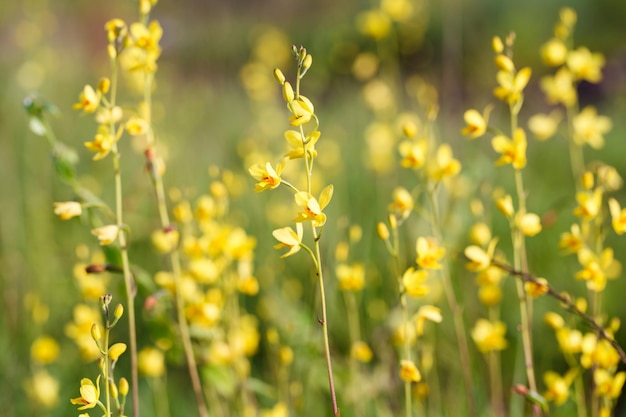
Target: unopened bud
<point>383,231</point>
<point>279,76</point>
<point>288,93</point>
<point>119,310</point>
<point>497,45</point>
<point>308,61</point>
<point>96,332</point>
<point>123,386</point>
<point>113,389</point>
<point>103,85</point>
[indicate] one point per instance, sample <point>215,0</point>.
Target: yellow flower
<point>351,277</point>
<point>489,336</point>
<point>248,285</point>
<point>89,100</point>
<point>137,126</point>
<point>618,216</point>
<point>597,269</point>
<point>289,239</point>
<point>570,340</point>
<point>108,115</point>
<point>476,123</point>
<point>302,111</point>
<point>608,385</point>
<point>204,270</point>
<point>585,65</point>
<point>589,128</point>
<point>402,204</point>
<point>102,143</point>
<point>106,234</point>
<point>414,282</point>
<point>299,146</point>
<point>429,253</point>
<point>413,153</point>
<point>151,362</point>
<point>43,389</point>
<point>116,29</point>
<point>480,259</point>
<point>427,312</point>
<point>409,372</point>
<point>266,175</point>
<point>544,126</point>
<point>165,241</point>
<point>505,205</point>
<point>44,350</point>
<point>554,52</point>
<point>361,351</point>
<point>557,386</point>
<point>554,320</point>
<point>560,88</point>
<point>537,288</point>
<point>89,394</point>
<point>444,164</point>
<point>589,204</point>
<point>513,151</point>
<point>68,209</point>
<point>511,84</point>
<point>116,351</point>
<point>480,234</point>
<point>529,224</point>
<point>311,208</point>
<point>489,295</point>
<point>374,23</point>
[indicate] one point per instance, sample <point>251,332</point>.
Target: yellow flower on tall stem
<point>268,177</point>
<point>68,209</point>
<point>311,208</point>
<point>89,394</point>
<point>289,239</point>
<point>513,151</point>
<point>429,253</point>
<point>106,234</point>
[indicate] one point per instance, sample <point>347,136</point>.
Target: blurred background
<point>211,110</point>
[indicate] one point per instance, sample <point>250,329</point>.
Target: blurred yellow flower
<point>151,362</point>
<point>480,259</point>
<point>489,336</point>
<point>480,234</point>
<point>361,351</point>
<point>504,205</point>
<point>590,128</point>
<point>512,151</point>
<point>557,386</point>
<point>374,23</point>
<point>266,175</point>
<point>427,312</point>
<point>589,204</point>
<point>585,65</point>
<point>402,204</point>
<point>529,224</point>
<point>44,350</point>
<point>351,277</point>
<point>444,164</point>
<point>544,126</point>
<point>68,209</point>
<point>413,281</point>
<point>560,88</point>
<point>289,239</point>
<point>165,241</point>
<point>102,142</point>
<point>106,234</point>
<point>554,52</point>
<point>489,295</point>
<point>511,84</point>
<point>409,372</point>
<point>476,123</point>
<point>537,288</point>
<point>89,394</point>
<point>413,153</point>
<point>429,253</point>
<point>618,216</point>
<point>597,269</point>
<point>137,126</point>
<point>43,389</point>
<point>89,100</point>
<point>553,320</point>
<point>299,145</point>
<point>570,340</point>
<point>608,385</point>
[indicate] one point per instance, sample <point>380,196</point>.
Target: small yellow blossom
<point>489,295</point>
<point>544,126</point>
<point>589,128</point>
<point>476,123</point>
<point>505,205</point>
<point>597,269</point>
<point>480,234</point>
<point>311,208</point>
<point>608,178</point>
<point>480,259</point>
<point>382,230</point>
<point>511,84</point>
<point>248,285</point>
<point>108,115</point>
<point>361,351</point>
<point>536,288</point>
<point>351,277</point>
<point>557,386</point>
<point>43,389</point>
<point>489,336</point>
<point>497,45</point>
<point>289,239</point>
<point>585,65</point>
<point>89,394</point>
<point>106,234</point>
<point>554,320</point>
<point>554,52</point>
<point>116,29</point>
<point>151,362</point>
<point>299,146</point>
<point>68,209</point>
<point>165,241</point>
<point>89,100</point>
<point>302,111</point>
<point>102,142</point>
<point>513,151</point>
<point>570,340</point>
<point>266,175</point>
<point>413,153</point>
<point>608,385</point>
<point>414,282</point>
<point>427,312</point>
<point>589,204</point>
<point>374,23</point>
<point>402,204</point>
<point>618,216</point>
<point>444,165</point>
<point>409,372</point>
<point>560,88</point>
<point>44,350</point>
<point>204,270</point>
<point>429,253</point>
<point>137,126</point>
<point>529,224</point>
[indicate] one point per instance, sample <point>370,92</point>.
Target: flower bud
<point>119,310</point>
<point>96,332</point>
<point>123,386</point>
<point>116,351</point>
<point>113,389</point>
<point>308,61</point>
<point>103,85</point>
<point>505,205</point>
<point>288,93</point>
<point>497,45</point>
<point>504,63</point>
<point>279,76</point>
<point>383,231</point>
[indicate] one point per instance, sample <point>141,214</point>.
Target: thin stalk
<point>457,311</point>
<point>157,182</point>
<point>106,369</point>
